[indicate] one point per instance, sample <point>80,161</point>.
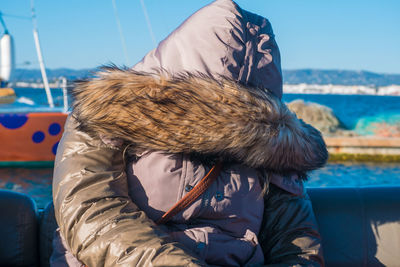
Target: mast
<point>40,58</point>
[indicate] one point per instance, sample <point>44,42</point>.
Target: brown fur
<point>198,114</point>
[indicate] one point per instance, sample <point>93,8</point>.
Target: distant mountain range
<point>309,76</point>
<point>339,77</point>
<point>34,75</point>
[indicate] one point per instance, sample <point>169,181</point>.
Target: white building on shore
<point>340,89</point>
<point>389,90</point>
<point>301,88</point>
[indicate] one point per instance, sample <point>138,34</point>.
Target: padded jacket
<point>217,96</point>
<point>103,227</point>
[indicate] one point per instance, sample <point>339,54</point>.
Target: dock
<point>380,149</point>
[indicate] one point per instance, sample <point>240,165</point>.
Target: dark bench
<point>359,226</point>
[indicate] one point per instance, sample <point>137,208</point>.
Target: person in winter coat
<point>138,140</point>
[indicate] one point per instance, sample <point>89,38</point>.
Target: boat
<point>7,95</point>
<point>28,138</point>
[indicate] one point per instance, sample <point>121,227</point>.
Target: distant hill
<point>34,75</point>
<point>309,76</point>
<point>339,77</point>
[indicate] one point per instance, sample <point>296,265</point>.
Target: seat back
<point>359,226</point>
<point>18,230</point>
<point>48,225</point>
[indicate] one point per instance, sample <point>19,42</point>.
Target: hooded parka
<point>212,88</point>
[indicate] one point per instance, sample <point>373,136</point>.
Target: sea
<point>352,110</point>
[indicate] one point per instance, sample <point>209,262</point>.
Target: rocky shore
<point>324,119</point>
<point>372,140</point>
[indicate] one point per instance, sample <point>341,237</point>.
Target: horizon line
<point>289,69</point>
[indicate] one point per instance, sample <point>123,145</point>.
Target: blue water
<point>33,182</point>
<point>31,100</point>
<point>350,174</point>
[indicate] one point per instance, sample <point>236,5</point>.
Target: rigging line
<point>146,15</point>
<point>15,16</point>
<point>121,35</point>
<point>3,23</point>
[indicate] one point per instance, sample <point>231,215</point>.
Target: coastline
<point>363,149</point>
<point>301,88</point>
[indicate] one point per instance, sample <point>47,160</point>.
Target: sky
<point>313,34</point>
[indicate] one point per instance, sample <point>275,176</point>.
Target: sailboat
<point>31,138</point>
<point>27,138</point>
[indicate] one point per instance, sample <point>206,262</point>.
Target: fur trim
<point>196,113</point>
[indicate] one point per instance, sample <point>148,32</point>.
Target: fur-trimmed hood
<point>196,113</point>
<point>176,99</point>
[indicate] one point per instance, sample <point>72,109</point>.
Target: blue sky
<point>340,34</point>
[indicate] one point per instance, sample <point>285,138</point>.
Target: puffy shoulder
<point>290,183</point>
